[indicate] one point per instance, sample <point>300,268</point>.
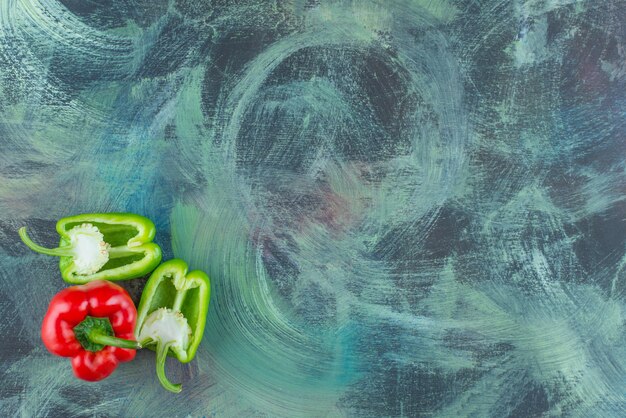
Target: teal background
<point>406,208</point>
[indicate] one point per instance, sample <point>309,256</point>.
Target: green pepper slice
<point>172,314</point>
<point>103,246</point>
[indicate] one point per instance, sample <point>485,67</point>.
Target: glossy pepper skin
<point>92,324</point>
<point>172,314</point>
<point>114,246</point>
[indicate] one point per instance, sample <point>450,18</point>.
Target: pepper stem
<point>107,340</point>
<point>95,333</point>
<point>65,251</point>
<point>160,368</point>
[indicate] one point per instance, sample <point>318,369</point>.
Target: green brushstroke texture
<point>406,208</point>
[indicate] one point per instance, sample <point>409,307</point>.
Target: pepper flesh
<point>103,246</point>
<point>172,314</point>
<point>93,324</point>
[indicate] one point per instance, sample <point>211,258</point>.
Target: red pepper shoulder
<point>66,310</point>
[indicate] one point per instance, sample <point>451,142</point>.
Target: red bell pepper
<point>93,324</point>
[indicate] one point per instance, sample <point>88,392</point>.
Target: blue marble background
<point>407,208</point>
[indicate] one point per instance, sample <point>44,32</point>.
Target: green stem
<point>160,368</point>
<point>66,251</point>
<point>104,339</point>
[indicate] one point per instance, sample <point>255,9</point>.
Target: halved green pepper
<point>103,246</point>
<point>172,314</point>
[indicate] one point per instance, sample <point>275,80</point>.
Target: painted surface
<point>406,207</point>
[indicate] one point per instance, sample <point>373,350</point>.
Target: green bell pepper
<point>172,314</point>
<point>103,246</point>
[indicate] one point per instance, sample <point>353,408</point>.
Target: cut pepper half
<point>172,314</point>
<point>103,246</point>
